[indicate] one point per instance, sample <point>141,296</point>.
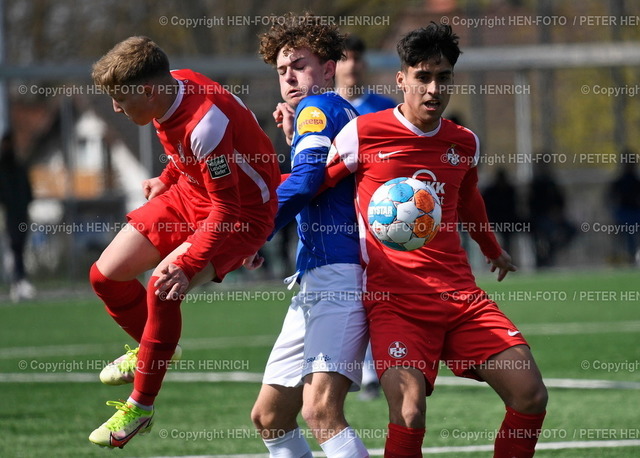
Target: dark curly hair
<point>434,40</point>
<point>293,31</point>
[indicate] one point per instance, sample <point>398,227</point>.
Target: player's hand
<point>503,264</point>
<point>153,187</point>
<point>253,262</point>
<point>283,116</point>
<point>172,283</point>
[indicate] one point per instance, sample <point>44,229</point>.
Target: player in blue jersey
<point>317,359</point>
<point>350,73</point>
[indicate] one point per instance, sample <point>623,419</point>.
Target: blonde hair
<point>132,61</point>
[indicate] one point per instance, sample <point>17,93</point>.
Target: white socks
<point>290,445</point>
<point>345,444</point>
<point>137,404</point>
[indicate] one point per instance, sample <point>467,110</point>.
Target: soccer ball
<point>404,214</point>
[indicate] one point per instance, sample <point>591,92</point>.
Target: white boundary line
<point>207,343</point>
<point>533,329</point>
<point>256,377</point>
<point>466,449</point>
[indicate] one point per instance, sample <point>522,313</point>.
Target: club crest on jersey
<point>311,119</point>
<point>397,350</point>
<point>218,167</point>
<point>452,156</point>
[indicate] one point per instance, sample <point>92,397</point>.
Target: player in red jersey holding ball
<point>424,306</point>
<point>213,206</point>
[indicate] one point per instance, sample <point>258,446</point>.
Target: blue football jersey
<point>370,103</point>
<point>327,227</point>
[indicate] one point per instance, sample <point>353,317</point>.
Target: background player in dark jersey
<point>317,357</point>
<point>350,79</point>
<point>424,306</point>
<point>212,206</point>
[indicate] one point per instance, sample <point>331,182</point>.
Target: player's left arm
<point>305,179</point>
<point>471,210</point>
<point>212,145</point>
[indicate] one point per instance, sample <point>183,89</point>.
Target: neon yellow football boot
<point>123,369</point>
<point>128,421</point>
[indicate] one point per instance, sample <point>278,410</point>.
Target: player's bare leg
<point>276,409</point>
<point>128,255</point>
<point>323,410</point>
<point>113,278</point>
<point>405,390</point>
<point>514,375</point>
<point>323,404</point>
<point>274,414</point>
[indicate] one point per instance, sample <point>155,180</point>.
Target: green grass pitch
<point>582,327</point>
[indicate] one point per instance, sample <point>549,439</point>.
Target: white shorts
<point>325,329</point>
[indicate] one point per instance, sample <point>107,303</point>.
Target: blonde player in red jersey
<point>213,206</point>
<point>424,306</point>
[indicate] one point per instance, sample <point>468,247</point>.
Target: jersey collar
<point>412,128</point>
<point>174,106</point>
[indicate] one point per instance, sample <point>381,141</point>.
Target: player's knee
<point>99,282</point>
<point>538,399</point>
<point>411,415</point>
<point>532,399</point>
<point>262,418</point>
<point>318,413</point>
<point>271,423</point>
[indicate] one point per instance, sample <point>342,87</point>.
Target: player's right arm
<point>283,116</point>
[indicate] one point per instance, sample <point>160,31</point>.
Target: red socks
<point>404,442</point>
<point>125,301</point>
<point>518,435</point>
<point>154,323</point>
<point>161,335</point>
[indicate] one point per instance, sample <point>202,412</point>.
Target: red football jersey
<point>382,146</point>
<point>218,156</point>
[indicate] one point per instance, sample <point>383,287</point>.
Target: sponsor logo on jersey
<point>512,333</point>
<point>311,119</point>
<point>218,167</point>
<point>452,156</point>
<point>430,178</point>
<point>397,350</point>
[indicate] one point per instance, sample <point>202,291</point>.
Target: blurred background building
<point>550,87</point>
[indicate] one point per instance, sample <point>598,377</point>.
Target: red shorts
<point>462,328</point>
<point>172,218</point>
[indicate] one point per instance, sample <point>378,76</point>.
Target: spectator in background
<point>350,75</point>
<point>350,72</point>
<point>551,229</point>
<point>15,196</point>
<point>624,195</point>
<point>500,198</point>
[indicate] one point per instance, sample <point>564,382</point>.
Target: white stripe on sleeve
<point>208,133</point>
<point>346,144</point>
